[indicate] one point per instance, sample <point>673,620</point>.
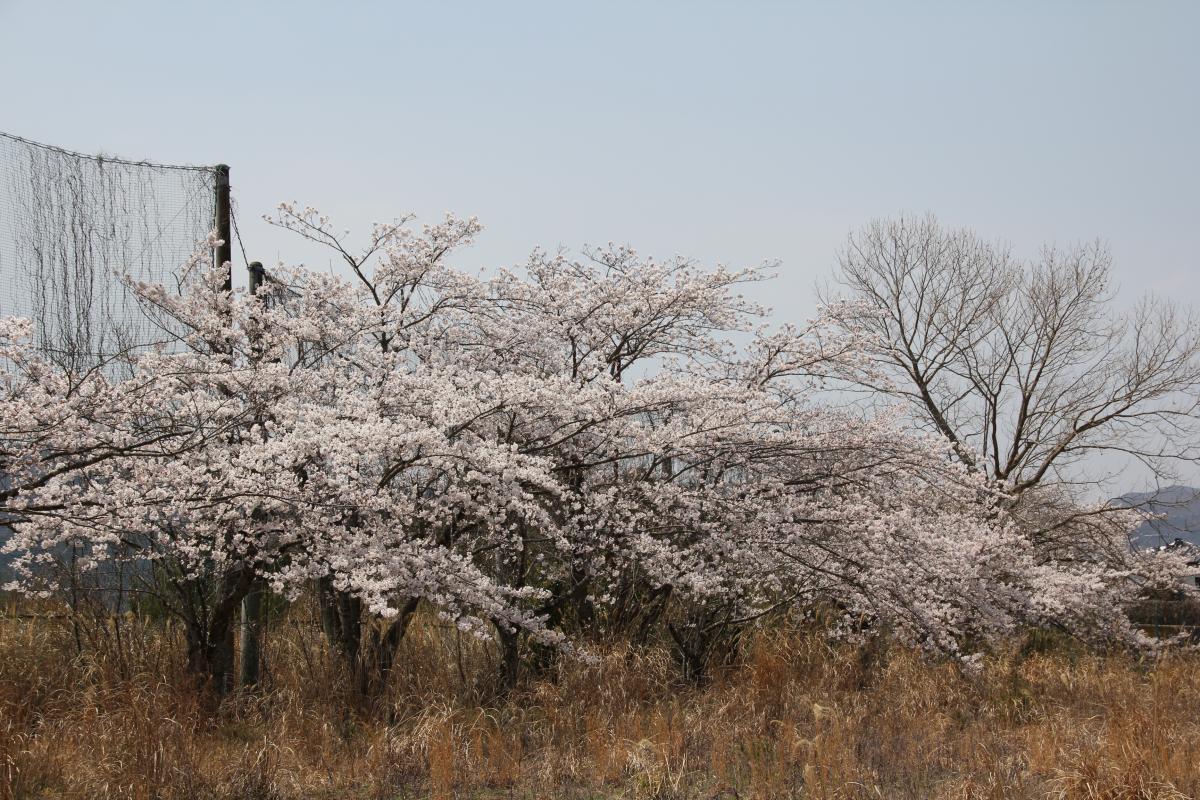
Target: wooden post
<point>252,603</point>
<point>224,252</point>
<point>256,276</point>
<point>220,661</point>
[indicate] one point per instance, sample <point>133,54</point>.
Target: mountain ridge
<point>1180,509</point>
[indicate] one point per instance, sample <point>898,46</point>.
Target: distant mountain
<point>1180,506</point>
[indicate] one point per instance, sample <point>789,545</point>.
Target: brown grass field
<point>794,717</point>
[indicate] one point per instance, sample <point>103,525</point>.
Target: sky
<point>733,133</point>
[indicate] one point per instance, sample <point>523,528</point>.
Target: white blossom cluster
<point>576,435</point>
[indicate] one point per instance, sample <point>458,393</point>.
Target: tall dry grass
<point>794,717</point>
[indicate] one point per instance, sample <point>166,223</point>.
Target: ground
<point>793,717</point>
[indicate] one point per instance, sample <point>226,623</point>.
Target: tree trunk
<point>210,637</point>
<point>384,646</point>
<point>368,659</point>
<point>585,611</point>
<point>341,619</point>
<point>511,571</point>
<point>210,655</point>
<point>510,658</point>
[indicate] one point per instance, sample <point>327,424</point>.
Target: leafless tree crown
<point>1027,367</point>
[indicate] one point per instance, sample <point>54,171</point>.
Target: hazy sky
<point>732,132</point>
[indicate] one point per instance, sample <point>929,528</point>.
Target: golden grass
<point>794,718</point>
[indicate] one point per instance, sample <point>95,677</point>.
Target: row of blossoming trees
<point>610,446</point>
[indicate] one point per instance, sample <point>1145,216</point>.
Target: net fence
<point>72,224</point>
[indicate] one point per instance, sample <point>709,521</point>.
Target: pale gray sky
<point>733,132</point>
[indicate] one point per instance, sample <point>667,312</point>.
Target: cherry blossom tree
<point>574,449</point>
<point>286,469</point>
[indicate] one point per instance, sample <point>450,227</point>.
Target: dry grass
<point>795,718</point>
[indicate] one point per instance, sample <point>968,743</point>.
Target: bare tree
<point>1027,368</point>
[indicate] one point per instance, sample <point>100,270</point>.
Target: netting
<point>71,225</point>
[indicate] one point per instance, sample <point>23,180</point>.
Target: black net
<point>71,225</point>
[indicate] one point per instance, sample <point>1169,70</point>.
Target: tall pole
<point>223,658</point>
<point>225,249</point>
<point>252,603</point>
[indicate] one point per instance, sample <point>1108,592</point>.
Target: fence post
<point>252,603</point>
<point>225,250</point>
<point>256,276</point>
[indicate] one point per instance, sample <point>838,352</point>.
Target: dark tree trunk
<point>210,652</point>
<point>655,608</point>
<point>512,571</point>
<point>341,619</point>
<point>365,645</point>
<point>384,645</point>
<point>510,658</point>
<point>581,600</point>
<point>708,640</point>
